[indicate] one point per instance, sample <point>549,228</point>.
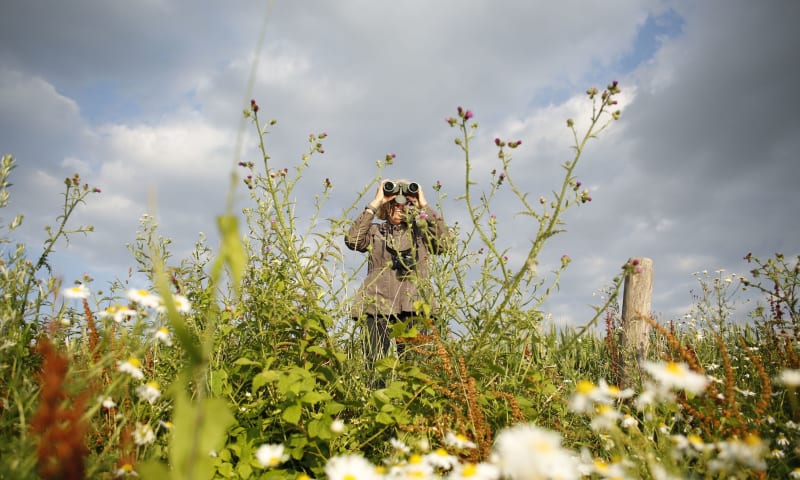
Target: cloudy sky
<point>143,99</point>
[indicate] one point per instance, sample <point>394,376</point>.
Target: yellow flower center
<point>585,387</point>
<point>674,368</point>
<point>134,362</point>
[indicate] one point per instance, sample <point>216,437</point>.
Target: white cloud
<point>698,170</point>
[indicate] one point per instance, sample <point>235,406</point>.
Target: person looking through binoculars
<point>398,250</point>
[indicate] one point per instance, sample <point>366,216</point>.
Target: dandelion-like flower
<point>674,375</point>
<point>117,312</point>
<point>795,473</point>
<point>271,455</point>
<point>143,434</point>
<point>149,392</point>
<point>458,440</point>
<point>132,366</point>
<point>79,291</point>
<point>144,298</point>
<point>530,452</point>
<point>181,303</point>
<point>163,336</point>
<point>350,467</point>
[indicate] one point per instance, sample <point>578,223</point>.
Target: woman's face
<point>396,213</point>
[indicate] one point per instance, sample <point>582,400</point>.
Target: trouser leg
<point>378,342</point>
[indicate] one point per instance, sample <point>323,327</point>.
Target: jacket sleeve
<point>357,236</point>
<point>435,233</point>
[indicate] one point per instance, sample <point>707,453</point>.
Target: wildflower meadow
<point>241,361</point>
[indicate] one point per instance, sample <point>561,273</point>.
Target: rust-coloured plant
<point>58,423</point>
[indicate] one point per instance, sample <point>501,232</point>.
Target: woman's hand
<point>421,201</point>
<point>380,198</point>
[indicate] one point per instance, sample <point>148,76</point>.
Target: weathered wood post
<point>637,300</point>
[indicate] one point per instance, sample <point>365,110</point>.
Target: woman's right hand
<point>380,198</point>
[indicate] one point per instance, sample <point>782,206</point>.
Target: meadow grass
<point>242,361</point>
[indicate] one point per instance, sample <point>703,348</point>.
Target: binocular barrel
<point>392,188</point>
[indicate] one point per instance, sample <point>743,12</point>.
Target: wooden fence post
<point>636,304</point>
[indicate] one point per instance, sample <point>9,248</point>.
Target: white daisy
<point>527,451</point>
<point>143,434</point>
<point>163,335</point>
<point>439,458</point>
<point>674,375</point>
<point>472,471</point>
<point>131,366</point>
<point>609,470</point>
<point>117,312</point>
<point>350,467</point>
<point>125,470</point>
<point>457,440</point>
<point>271,455</point>
<point>79,291</point>
<point>399,446</point>
<point>415,467</point>
<point>180,302</point>
<point>605,418</point>
<point>337,426</point>
<point>107,402</point>
<point>149,392</point>
<point>144,298</point>
<point>749,452</point>
<point>789,378</point>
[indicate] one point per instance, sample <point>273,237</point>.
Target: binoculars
<point>401,189</point>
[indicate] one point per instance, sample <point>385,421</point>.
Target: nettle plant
<point>243,362</point>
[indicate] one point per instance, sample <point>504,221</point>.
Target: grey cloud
<point>698,171</point>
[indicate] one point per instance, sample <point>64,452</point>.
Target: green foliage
<point>247,352</point>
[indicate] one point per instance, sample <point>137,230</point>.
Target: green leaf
<point>152,469</point>
<point>384,418</point>
<point>263,378</point>
<point>314,397</point>
<point>332,408</point>
<point>244,470</point>
<point>200,428</point>
<point>246,361</point>
<point>231,252</point>
<point>219,383</point>
<point>292,414</point>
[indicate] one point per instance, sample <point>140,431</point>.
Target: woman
<point>399,252</point>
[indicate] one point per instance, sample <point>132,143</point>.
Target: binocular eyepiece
<point>401,189</point>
